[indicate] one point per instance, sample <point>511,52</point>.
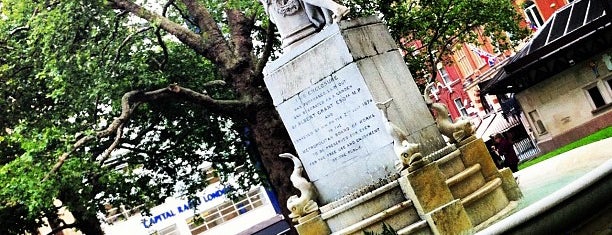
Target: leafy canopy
<point>65,67</point>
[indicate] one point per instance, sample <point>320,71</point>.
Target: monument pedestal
<point>325,90</point>
<point>312,225</point>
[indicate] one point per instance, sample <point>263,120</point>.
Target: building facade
<point>212,212</point>
<point>572,104</point>
<point>561,78</point>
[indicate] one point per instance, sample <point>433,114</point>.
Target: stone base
<point>313,226</point>
<point>509,184</point>
<point>325,90</point>
<point>476,152</point>
<point>449,219</point>
<point>426,187</point>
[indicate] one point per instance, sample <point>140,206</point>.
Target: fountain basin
<point>563,194</point>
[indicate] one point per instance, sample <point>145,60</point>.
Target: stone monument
<point>298,19</point>
<point>372,165</point>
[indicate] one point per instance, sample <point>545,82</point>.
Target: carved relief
<point>286,7</point>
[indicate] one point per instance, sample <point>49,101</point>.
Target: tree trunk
<point>272,139</point>
<point>85,221</point>
<point>88,225</point>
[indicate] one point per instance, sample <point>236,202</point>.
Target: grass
<point>599,135</point>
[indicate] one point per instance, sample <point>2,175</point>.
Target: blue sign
<point>148,222</point>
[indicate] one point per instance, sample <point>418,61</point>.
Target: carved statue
<point>305,204</point>
<point>297,19</point>
<point>408,153</point>
<point>454,131</point>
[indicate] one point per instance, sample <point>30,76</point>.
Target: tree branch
<point>214,83</point>
<point>165,7</point>
<point>240,31</point>
<point>127,108</point>
<point>127,39</point>
<point>131,100</point>
<point>183,34</point>
<point>18,29</point>
<point>7,47</point>
<point>106,154</point>
<point>162,44</point>
<point>232,107</point>
<point>183,15</point>
<point>113,34</point>
<point>60,228</point>
<point>215,45</point>
<point>267,49</point>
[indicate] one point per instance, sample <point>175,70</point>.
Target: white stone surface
<point>334,122</point>
<point>307,69</point>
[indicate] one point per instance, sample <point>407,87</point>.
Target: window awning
<point>493,124</point>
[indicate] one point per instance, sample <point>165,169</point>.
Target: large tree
<point>173,84</point>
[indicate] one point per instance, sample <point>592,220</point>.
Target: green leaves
<point>430,29</point>
<point>64,68</point>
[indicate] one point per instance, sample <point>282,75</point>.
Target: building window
<point>599,94</point>
<point>170,230</point>
<point>532,13</point>
<point>463,62</point>
<point>445,76</point>
<point>535,119</point>
<point>596,97</point>
<point>225,212</point>
<point>115,214</point>
<point>461,108</point>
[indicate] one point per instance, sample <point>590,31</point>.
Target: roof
<point>572,34</point>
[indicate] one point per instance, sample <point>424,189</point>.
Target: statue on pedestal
<point>408,153</point>
<point>457,131</point>
<point>304,204</point>
<point>297,19</point>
